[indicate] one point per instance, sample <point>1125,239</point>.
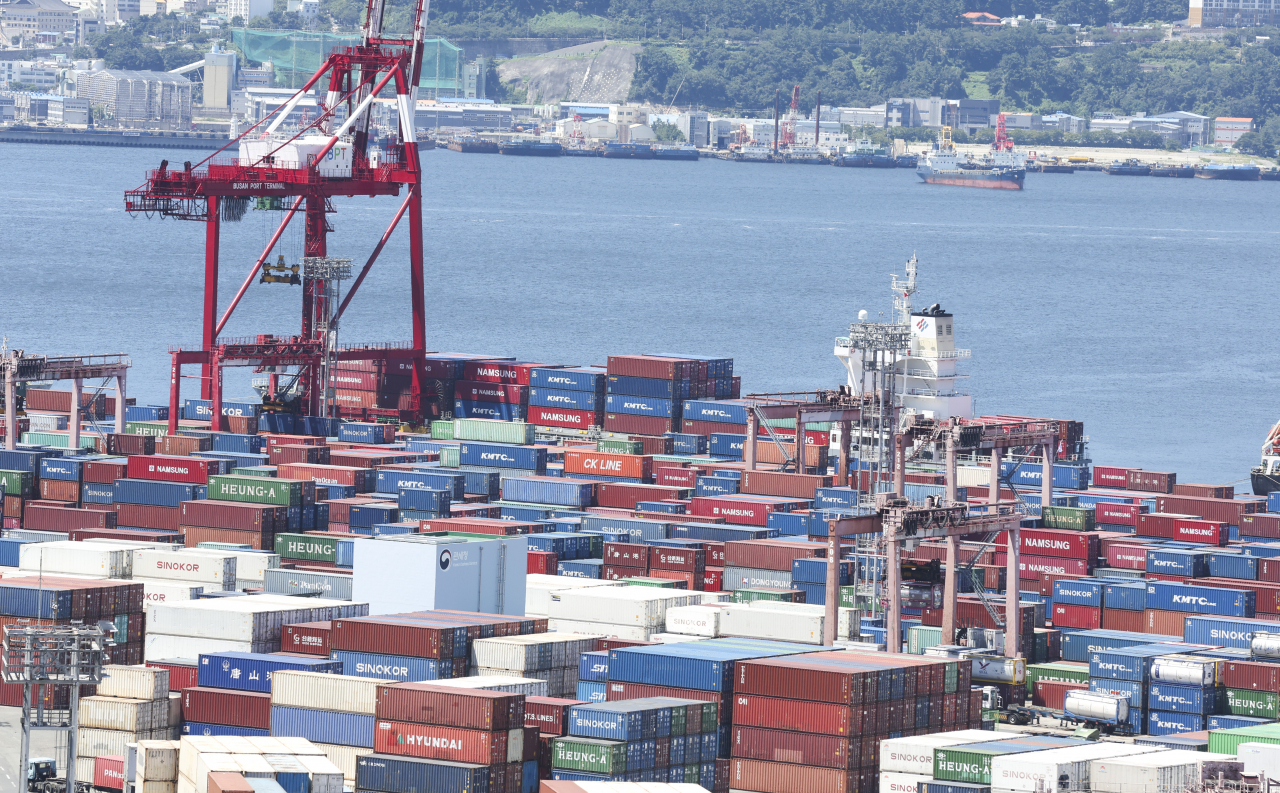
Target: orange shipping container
<point>1165,623</point>
<point>767,777</point>
<point>632,466</point>
<point>774,483</point>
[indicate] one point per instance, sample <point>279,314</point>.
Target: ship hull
<point>1230,174</point>
<point>628,151</point>
<point>991,180</point>
<point>536,150</point>
<point>856,161</point>
<point>675,154</point>
<point>1264,483</point>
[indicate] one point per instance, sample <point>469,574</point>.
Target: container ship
<point>1006,170</point>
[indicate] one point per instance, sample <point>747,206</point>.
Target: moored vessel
<point>1173,171</point>
<point>1234,173</point>
<point>628,151</point>
<point>804,155</point>
<point>676,152</point>
<point>472,145</point>
<point>1265,477</point>
<point>530,148</point>
<point>1006,170</point>
<point>1130,167</point>
<point>865,154</point>
<point>749,153</point>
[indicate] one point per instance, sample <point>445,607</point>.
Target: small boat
<point>1173,171</point>
<point>1054,165</point>
<point>1271,175</point>
<point>1235,173</point>
<point>1128,168</point>
<point>754,154</point>
<point>628,151</point>
<point>680,152</point>
<point>804,155</point>
<point>865,154</point>
<point>530,148</point>
<point>906,161</point>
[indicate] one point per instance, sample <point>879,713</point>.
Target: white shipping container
<point>95,742</point>
<point>326,777</point>
<point>134,682</point>
<point>155,591</point>
<point>210,763</point>
<point>972,476</point>
<point>673,638</point>
<point>254,765</point>
<point>185,785</point>
<point>250,565</point>
<point>538,589</point>
<point>84,769</point>
<point>326,692</point>
<point>893,782</point>
<point>528,686</point>
<point>645,607</point>
<point>344,757</point>
<point>531,652</point>
<point>1158,772</point>
<point>219,618</point>
<point>158,760</point>
<point>149,786</point>
<point>915,755</point>
<point>787,626</point>
<point>72,557</point>
<point>290,744</point>
<point>162,645</point>
<point>694,620</point>
<point>1260,758</point>
<point>1023,772</point>
<point>131,715</point>
<point>635,633</point>
<point>195,568</point>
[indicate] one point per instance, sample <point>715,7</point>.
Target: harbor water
<point>1142,307</point>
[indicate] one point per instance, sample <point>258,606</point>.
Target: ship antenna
<point>903,290</point>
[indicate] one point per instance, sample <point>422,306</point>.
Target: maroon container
<point>1151,481</point>
<point>106,471</point>
<point>1260,524</point>
<point>745,774</point>
<point>224,706</point>
<point>1072,616</point>
<point>543,562</point>
<point>773,483</point>
<point>297,453</point>
<point>13,507</point>
<point>441,742</point>
<point>1205,491</point>
<point>130,535</point>
<point>549,715</point>
<point>627,554</point>
<point>652,366</point>
<point>642,425</point>
<point>687,560</point>
<point>1118,514</point>
<point>792,678</point>
<point>827,751</point>
<point>230,514</point>
<point>492,392</point>
<point>712,580</point>
<point>182,445</point>
<point>708,427</point>
<point>1111,476</point>
<point>60,490</point>
<point>473,709</point>
<point>1251,675</point>
<point>625,496</point>
<point>798,715</point>
<point>192,536</point>
<point>311,638</point>
<point>1123,620</point>
<point>508,372</point>
<point>1057,542</point>
<point>1130,556</point>
<point>169,468</point>
<point>613,572</point>
<point>1166,623</point>
<point>146,516</point>
<point>680,477</point>
<point>370,635</point>
<point>1031,567</point>
<point>66,519</point>
<point>1269,569</point>
<point>770,554</point>
<point>1216,509</point>
<point>182,673</point>
<point>564,417</point>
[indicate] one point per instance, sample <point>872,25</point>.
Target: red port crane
<point>1002,142</point>
<point>789,126</point>
<point>303,171</point>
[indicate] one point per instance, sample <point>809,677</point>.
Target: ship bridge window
<point>948,328</point>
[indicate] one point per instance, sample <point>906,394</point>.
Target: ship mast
<point>903,290</point>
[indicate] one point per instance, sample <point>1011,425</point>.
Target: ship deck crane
<point>308,168</point>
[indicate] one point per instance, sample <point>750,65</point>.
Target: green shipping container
<point>261,490</point>
<point>619,447</point>
<point>442,430</point>
<point>973,763</point>
<point>1073,518</point>
<point>951,677</point>
<point>307,547</point>
<point>1228,741</point>
<point>1061,671</point>
<point>589,754</point>
<point>17,483</point>
<point>768,593</point>
<point>661,583</point>
<point>921,637</point>
<point>58,440</point>
<point>493,431</point>
<point>156,428</point>
<point>449,457</point>
<point>691,775</point>
<point>255,470</point>
<point>1246,702</point>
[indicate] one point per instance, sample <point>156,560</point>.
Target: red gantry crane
<point>304,171</point>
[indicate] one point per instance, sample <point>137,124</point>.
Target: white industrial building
<point>139,98</point>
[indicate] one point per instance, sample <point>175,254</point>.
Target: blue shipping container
<point>647,387</point>
<point>558,398</point>
<point>1162,722</point>
<point>568,379</point>
<point>203,728</point>
<point>1224,632</point>
<point>1222,722</point>
<point>501,455</point>
<point>67,469</point>
<point>643,406</point>
<point>10,548</point>
<point>154,493</point>
<point>716,486</point>
<point>323,726</point>
<point>202,409</point>
<point>549,490</point>
<point>627,720</point>
<point>1233,565</point>
<point>23,459</point>
<point>594,666</point>
<point>838,497</point>
<point>687,443</point>
<point>638,528</point>
<point>252,671</point>
<point>1067,477</point>
<point>1192,564</point>
<point>419,500</point>
<point>591,691</point>
<point>146,413</point>
<point>723,444</point>
<point>237,444</point>
<point>1136,692</point>
<point>499,411</point>
<point>660,506</point>
<point>1127,597</point>
<point>581,568</point>
<point>395,774</point>
<point>1184,699</point>
<point>1170,596</point>
<point>814,571</point>
<point>715,532</point>
<point>1128,663</point>
<point>1080,592</point>
<point>723,412</point>
<point>699,665</point>
<point>394,481</point>
<point>364,516</point>
<point>97,493</point>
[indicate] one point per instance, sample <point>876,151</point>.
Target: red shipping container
<point>687,560</point>
<point>183,445</point>
<point>105,471</point>
<point>627,554</point>
<point>735,510</point>
<point>1070,616</point>
<point>1031,567</point>
<point>441,743</point>
<point>1269,569</point>
<point>60,490</point>
<point>146,516</point>
<point>642,425</point>
<point>1260,524</point>
<point>653,367</point>
<point>623,495</point>
<point>614,572</point>
<point>192,536</point>
<point>510,372</point>
<point>769,777</point>
<point>1110,476</point>
<point>1166,577</point>
<point>683,477</point>
<point>1052,694</point>
<point>471,709</point>
<point>771,554</point>
<point>543,562</point>
<point>564,417</point>
<point>774,483</point>
<point>785,746</point>
<point>549,715</point>
<point>232,514</point>
<point>1224,510</point>
<point>708,427</point>
<point>1123,620</point>
<point>1205,491</point>
<point>491,392</point>
<point>690,580</point>
<point>358,381</point>
<point>1251,675</point>
<point>391,637</point>
<point>791,677</point>
<point>479,526</point>
<point>1129,556</point>
<point>1202,531</point>
<point>799,715</point>
<point>359,478</point>
<point>1118,514</point>
<point>46,518</point>
<point>715,553</point>
<point>224,706</point>
<point>632,466</point>
<point>310,638</point>
<point>1165,623</point>
<point>108,771</point>
<point>182,674</point>
<point>298,453</point>
<point>169,469</point>
<point>712,579</point>
<point>1056,542</point>
<point>1151,481</point>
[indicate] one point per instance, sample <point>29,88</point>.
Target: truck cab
<point>40,769</point>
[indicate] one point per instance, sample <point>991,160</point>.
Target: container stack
<point>634,613</point>
<point>235,687</point>
<point>646,394</point>
<point>569,398</point>
<point>131,704</point>
<point>327,709</point>
<point>156,766</point>
<point>187,629</point>
<point>652,739</point>
<point>209,764</point>
<point>554,657</point>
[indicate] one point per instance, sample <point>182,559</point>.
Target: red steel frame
<point>197,194</point>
